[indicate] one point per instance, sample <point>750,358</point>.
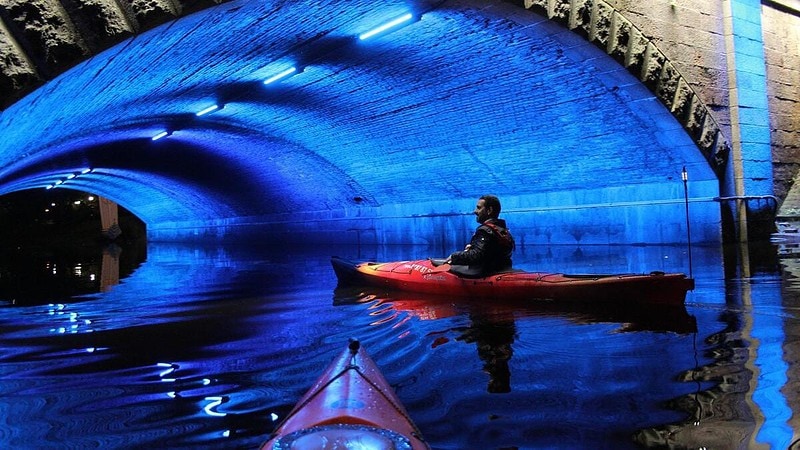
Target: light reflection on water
<point>208,347</point>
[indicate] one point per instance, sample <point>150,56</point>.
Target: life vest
<point>504,237</point>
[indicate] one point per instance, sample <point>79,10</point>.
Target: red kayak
<point>350,406</point>
<point>423,276</point>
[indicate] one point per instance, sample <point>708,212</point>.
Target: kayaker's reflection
<point>493,335</point>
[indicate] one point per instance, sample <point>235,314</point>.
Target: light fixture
<point>391,24</point>
<point>86,170</point>
<point>281,75</point>
<point>163,134</point>
<point>205,111</point>
<point>71,176</point>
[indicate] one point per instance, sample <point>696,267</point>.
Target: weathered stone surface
<point>581,21</point>
<point>561,11</point>
<point>152,12</point>
<point>538,6</point>
<point>708,136</point>
<point>16,72</point>
<point>601,29</point>
<point>652,66</point>
<point>620,38</point>
<point>721,150</point>
<point>637,52</point>
<point>696,118</point>
<point>682,99</point>
<point>781,34</point>
<point>102,23</point>
<point>47,33</point>
<point>40,39</point>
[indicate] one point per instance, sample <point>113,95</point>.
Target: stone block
<point>538,6</point>
<point>720,153</point>
<point>708,136</point>
<point>620,38</point>
<point>637,52</point>
<point>747,46</point>
<point>755,133</point>
<point>696,117</point>
<point>668,84</point>
<point>561,10</point>
<point>652,66</point>
<point>581,19</point>
<point>753,116</point>
<point>682,101</point>
<point>601,26</point>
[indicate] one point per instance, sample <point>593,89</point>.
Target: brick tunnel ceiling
<point>472,97</point>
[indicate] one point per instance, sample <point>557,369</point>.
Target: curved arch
<point>406,129</point>
<point>82,32</point>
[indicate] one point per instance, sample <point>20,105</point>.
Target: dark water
<point>173,346</point>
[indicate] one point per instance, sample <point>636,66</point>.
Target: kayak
<point>351,406</point>
<point>427,277</point>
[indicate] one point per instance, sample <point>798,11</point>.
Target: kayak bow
<point>350,406</point>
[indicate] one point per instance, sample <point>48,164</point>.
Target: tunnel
<point>366,122</point>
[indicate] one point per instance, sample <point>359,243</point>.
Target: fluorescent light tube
<point>400,20</point>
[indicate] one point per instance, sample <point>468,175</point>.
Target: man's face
<point>482,213</point>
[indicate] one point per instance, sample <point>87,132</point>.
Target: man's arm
<point>474,253</point>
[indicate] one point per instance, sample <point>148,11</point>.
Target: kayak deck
<point>350,406</point>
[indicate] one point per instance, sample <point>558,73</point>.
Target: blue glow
<point>163,134</point>
<point>770,338</point>
<point>208,110</point>
<point>391,24</point>
<point>281,75</point>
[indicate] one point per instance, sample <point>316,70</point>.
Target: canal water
<point>169,346</point>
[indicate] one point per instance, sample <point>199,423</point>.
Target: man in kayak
<point>489,250</point>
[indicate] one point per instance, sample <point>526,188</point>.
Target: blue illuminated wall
<point>385,140</point>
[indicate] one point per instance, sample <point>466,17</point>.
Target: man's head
<point>488,207</point>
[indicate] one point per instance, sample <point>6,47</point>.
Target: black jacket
<point>489,250</point>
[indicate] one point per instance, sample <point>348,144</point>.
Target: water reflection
<point>210,347</point>
<point>492,323</point>
<point>31,275</point>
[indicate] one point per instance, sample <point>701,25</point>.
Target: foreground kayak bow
<point>350,406</point>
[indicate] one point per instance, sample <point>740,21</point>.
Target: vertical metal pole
<point>685,178</point>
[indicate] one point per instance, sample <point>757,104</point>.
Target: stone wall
<point>637,45</point>
<point>690,34</point>
<point>781,31</point>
